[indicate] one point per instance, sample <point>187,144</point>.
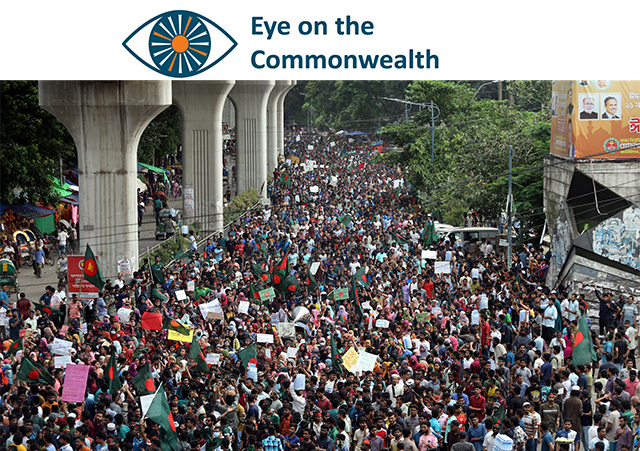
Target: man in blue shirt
<point>38,261</point>
<point>477,431</point>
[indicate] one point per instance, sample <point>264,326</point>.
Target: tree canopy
<point>33,143</point>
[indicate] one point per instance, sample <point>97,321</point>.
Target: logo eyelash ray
<point>180,44</point>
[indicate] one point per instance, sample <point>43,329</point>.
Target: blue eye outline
<point>167,14</point>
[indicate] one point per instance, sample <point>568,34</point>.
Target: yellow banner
<point>350,358</point>
<point>176,336</point>
<point>596,119</point>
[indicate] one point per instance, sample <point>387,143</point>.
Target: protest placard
<point>422,317</point>
<point>292,353</point>
<point>243,307</point>
<point>177,336</point>
<point>213,359</point>
<point>181,295</point>
<point>264,338</point>
<point>286,330</point>
<point>349,358</point>
<point>60,346</point>
<point>442,268</point>
<point>299,382</point>
<point>382,323</point>
<point>75,383</point>
<point>366,361</point>
<point>61,361</point>
<point>429,255</point>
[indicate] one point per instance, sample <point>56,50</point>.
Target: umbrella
<point>141,185</point>
<point>65,223</point>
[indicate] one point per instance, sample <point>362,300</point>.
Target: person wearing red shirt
<point>428,287</point>
<point>323,402</point>
<point>485,331</point>
<point>477,403</point>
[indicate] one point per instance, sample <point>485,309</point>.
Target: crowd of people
<point>472,353</point>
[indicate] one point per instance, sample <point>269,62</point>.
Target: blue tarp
<point>27,211</point>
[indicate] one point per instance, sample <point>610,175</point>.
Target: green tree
<point>470,151</point>
<point>33,144</point>
<point>162,136</point>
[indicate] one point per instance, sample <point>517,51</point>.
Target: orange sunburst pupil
<point>180,43</point>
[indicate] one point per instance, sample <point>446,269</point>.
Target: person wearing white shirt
<point>549,322</point>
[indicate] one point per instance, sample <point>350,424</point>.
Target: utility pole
<point>432,107</point>
<point>509,211</point>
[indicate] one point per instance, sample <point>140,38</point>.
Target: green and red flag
<point>169,323</point>
<point>111,374</point>
<point>92,272</point>
<point>156,273</point>
<point>361,277</point>
<point>285,178</point>
<point>260,271</point>
<point>138,352</point>
<point>335,357</point>
<point>254,293</point>
<point>261,247</point>
<point>16,346</point>
<point>160,413</point>
<point>310,281</point>
<point>51,311</point>
<point>353,295</point>
<point>248,354</point>
<point>291,285</point>
<point>266,294</point>
<point>345,219</point>
<point>583,350</point>
<point>400,239</point>
<point>143,381</point>
<point>429,234</point>
<point>33,372</point>
<point>195,353</point>
<point>155,293</point>
<point>340,294</point>
<point>280,271</point>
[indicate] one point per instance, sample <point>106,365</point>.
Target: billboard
<point>596,119</point>
<point>77,284</point>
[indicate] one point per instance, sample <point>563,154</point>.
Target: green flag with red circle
<point>91,268</point>
<point>33,372</point>
<point>143,381</point>
<point>583,350</point>
<point>111,374</point>
<point>195,353</point>
<point>16,346</point>
<point>160,413</point>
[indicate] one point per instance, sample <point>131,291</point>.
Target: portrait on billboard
<point>610,104</point>
<point>588,106</point>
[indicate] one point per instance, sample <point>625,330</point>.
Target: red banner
<point>77,284</point>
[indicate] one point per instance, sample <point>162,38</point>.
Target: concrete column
<point>201,104</point>
<point>250,99</point>
<point>280,144</point>
<point>274,126</point>
<point>106,120</point>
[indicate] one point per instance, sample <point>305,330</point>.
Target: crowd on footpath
<point>476,354</point>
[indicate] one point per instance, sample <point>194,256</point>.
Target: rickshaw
<point>9,275</point>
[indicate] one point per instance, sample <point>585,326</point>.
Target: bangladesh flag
<point>155,293</point>
<point>291,285</point>
<point>285,178</point>
<point>248,354</point>
<point>429,233</point>
<point>355,298</point>
<point>51,311</point>
<point>169,323</point>
<point>335,357</point>
<point>361,277</point>
<point>254,293</point>
<point>280,270</point>
<point>33,372</point>
<point>138,352</point>
<point>583,351</point>
<point>400,239</point>
<point>262,247</point>
<point>340,293</point>
<point>345,220</point>
<point>266,294</point>
<point>160,413</point>
<point>111,375</point>
<point>16,346</point>
<point>195,353</point>
<point>92,273</point>
<point>310,281</point>
<point>260,271</point>
<point>156,274</point>
<point>143,381</point>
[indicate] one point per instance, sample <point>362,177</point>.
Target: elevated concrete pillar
<point>274,126</point>
<point>280,145</point>
<point>201,104</point>
<point>250,99</point>
<point>106,120</point>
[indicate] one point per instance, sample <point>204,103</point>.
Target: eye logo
<point>179,44</point>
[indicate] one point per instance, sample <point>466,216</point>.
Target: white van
<point>461,235</point>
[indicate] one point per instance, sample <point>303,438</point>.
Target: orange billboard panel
<point>596,119</point>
